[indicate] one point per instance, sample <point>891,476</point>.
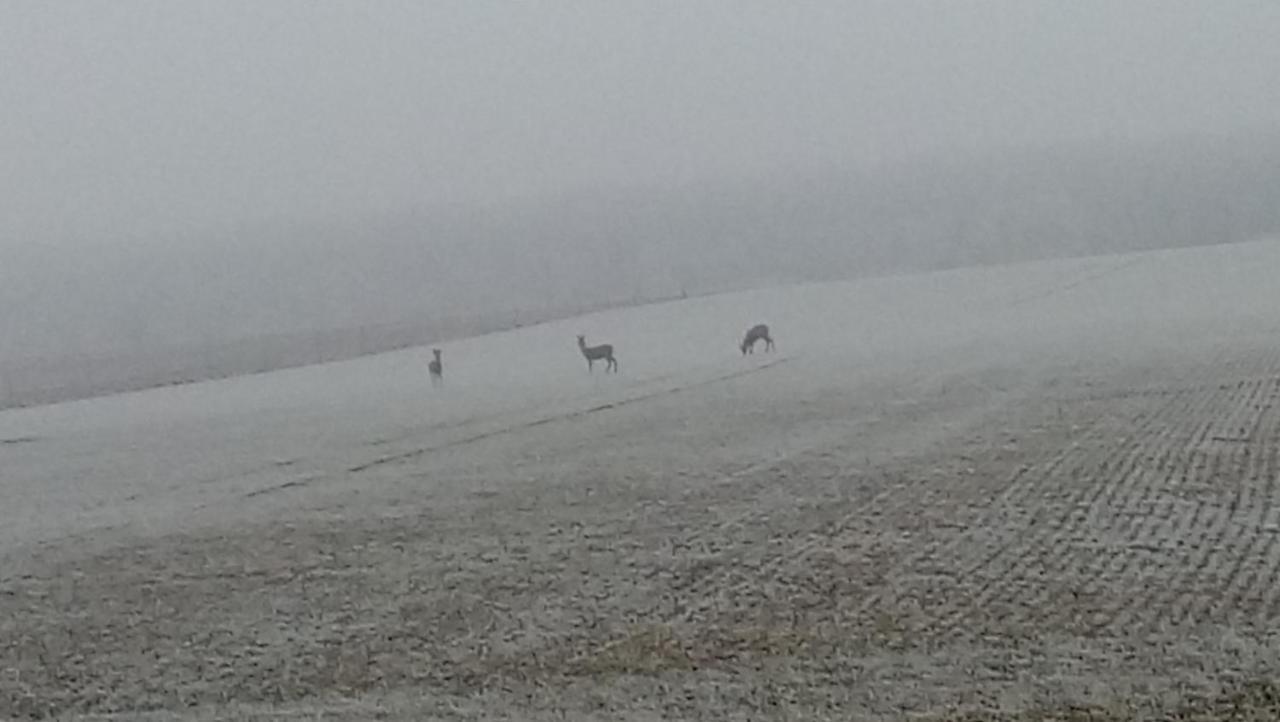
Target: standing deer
<point>436,368</point>
<point>593,353</point>
<point>759,332</point>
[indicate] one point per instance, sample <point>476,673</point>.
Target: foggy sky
<point>152,119</point>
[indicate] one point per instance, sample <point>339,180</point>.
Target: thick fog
<point>183,176</point>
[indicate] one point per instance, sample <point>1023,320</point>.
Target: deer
<point>595,353</point>
<point>759,332</point>
<point>436,368</point>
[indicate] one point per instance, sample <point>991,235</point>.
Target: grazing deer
<point>759,332</point>
<point>593,353</point>
<point>436,368</point>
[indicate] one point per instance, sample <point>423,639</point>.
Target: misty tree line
<point>423,276</point>
<point>1069,201</point>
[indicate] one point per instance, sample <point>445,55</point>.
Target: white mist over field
<point>1015,451</point>
<point>200,193</point>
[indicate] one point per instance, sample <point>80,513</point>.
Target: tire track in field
<point>1250,508</point>
<point>1053,512</point>
<point>1105,521</point>
<point>1267,583</point>
<point>505,413</point>
<point>1133,505</point>
<point>1082,279</point>
<point>1211,533</point>
<point>1265,587</point>
<point>502,430</point>
<point>1080,536</point>
<point>1121,516</point>
<point>259,468</point>
<point>1140,578</point>
<point>723,562</point>
<point>567,415</point>
<point>1215,458</point>
<point>1241,535</point>
<point>696,588</point>
<point>734,582</point>
<point>1093,534</point>
<point>891,501</point>
<point>952,560</point>
<point>1228,460</point>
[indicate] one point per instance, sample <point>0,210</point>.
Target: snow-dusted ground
<point>1060,474</point>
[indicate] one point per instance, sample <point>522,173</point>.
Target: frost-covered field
<point>1019,488</point>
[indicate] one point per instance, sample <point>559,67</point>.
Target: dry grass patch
<point>646,650</point>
